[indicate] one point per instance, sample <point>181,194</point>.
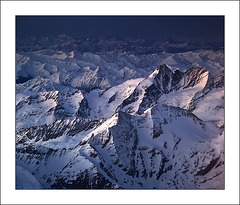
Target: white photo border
<point>9,9</point>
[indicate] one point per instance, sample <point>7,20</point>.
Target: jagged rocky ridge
<point>147,133</point>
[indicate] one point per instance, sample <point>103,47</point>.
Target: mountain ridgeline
<point>118,114</point>
<point>157,132</point>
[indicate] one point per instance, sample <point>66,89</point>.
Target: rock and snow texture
<point>94,118</point>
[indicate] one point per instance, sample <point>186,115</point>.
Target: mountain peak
<point>164,67</point>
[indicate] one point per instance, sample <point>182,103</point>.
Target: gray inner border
<point>122,16</point>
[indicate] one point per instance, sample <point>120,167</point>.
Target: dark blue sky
<point>201,28</point>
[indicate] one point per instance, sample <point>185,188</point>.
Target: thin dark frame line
<point>124,0</point>
<point>1,107</point>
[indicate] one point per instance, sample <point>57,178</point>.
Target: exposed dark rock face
<point>112,98</point>
<point>193,76</point>
<point>56,129</point>
<point>208,168</point>
<point>125,140</point>
<point>83,110</point>
<point>214,82</point>
<point>84,180</point>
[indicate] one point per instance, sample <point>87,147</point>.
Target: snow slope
<point>25,180</point>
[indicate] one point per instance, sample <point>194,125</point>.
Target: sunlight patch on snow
<point>100,105</point>
<point>183,97</point>
<point>212,106</point>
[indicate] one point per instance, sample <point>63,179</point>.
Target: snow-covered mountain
<point>116,117</point>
